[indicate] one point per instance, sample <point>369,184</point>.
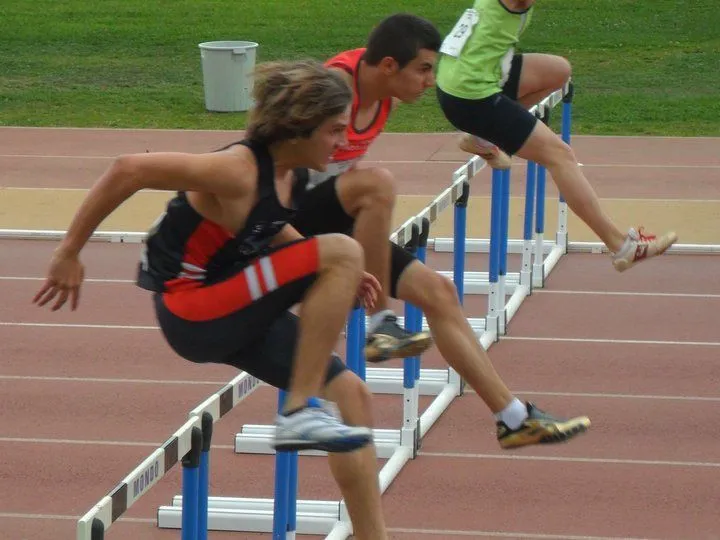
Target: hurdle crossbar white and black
<point>190,444</point>
<point>186,445</point>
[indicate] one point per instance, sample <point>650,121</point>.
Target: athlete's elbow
<point>125,173</point>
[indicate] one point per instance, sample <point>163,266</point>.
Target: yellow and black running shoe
<point>390,340</point>
<point>540,428</point>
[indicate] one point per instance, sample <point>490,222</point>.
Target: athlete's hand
<point>64,278</point>
<point>368,290</point>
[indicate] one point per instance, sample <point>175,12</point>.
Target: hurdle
<point>190,445</point>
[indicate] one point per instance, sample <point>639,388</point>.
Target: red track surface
<point>82,406</point>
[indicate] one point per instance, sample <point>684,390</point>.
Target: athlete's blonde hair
<point>293,98</point>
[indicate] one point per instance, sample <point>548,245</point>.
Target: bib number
<point>455,41</point>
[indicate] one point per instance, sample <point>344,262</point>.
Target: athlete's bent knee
<point>353,397</point>
<point>383,190</point>
<point>376,189</point>
<point>558,153</point>
<point>339,249</point>
<point>436,293</point>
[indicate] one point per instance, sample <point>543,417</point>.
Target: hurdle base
<point>254,515</point>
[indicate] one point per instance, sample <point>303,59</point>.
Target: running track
<point>90,394</point>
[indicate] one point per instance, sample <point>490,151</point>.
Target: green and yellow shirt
<point>484,41</point>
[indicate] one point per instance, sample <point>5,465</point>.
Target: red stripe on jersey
<point>205,242</point>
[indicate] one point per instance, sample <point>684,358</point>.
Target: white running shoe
<point>317,428</point>
<point>639,246</point>
<point>493,156</point>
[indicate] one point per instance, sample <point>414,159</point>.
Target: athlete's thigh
<point>358,188</point>
<point>271,357</point>
<point>319,211</point>
<point>400,260</point>
<point>205,324</point>
<point>542,72</point>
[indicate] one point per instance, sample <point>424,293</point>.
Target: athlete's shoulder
<point>346,60</point>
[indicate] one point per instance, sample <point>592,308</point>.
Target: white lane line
<point>604,395</point>
<point>87,280</point>
<point>627,293</point>
<point>501,534</point>
<point>397,530</point>
<point>18,515</point>
<point>611,461</point>
<point>612,341</point>
<point>105,380</point>
<point>93,326</point>
<point>538,291</point>
<point>91,442</point>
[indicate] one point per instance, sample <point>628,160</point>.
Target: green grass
<point>640,67</point>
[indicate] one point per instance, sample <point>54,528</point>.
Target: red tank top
<point>358,140</point>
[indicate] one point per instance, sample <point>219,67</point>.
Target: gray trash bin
<point>227,74</point>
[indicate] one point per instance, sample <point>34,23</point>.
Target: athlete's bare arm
<point>225,174</point>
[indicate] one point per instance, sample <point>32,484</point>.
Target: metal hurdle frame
<point>190,444</point>
<point>186,443</point>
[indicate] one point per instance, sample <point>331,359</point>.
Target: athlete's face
<point>409,83</point>
<point>328,137</point>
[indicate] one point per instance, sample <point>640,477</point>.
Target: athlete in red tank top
<point>358,140</point>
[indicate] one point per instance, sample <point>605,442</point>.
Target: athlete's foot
<point>390,340</point>
<point>540,428</point>
<point>493,156</point>
<point>317,428</point>
<point>639,246</point>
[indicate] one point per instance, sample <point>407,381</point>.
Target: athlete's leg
<point>540,75</point>
<point>323,314</point>
<point>543,146</point>
<point>368,196</point>
<point>228,321</point>
<point>518,424</point>
<point>356,472</point>
<point>521,133</point>
<point>362,200</point>
<point>270,359</point>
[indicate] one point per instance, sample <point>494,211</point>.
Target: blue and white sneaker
<point>316,428</point>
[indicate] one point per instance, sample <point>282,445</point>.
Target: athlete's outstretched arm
<point>227,174</point>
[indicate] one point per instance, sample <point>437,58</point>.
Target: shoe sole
<point>495,161</point>
<point>333,447</point>
<point>623,265</point>
<point>404,350</point>
<point>551,438</point>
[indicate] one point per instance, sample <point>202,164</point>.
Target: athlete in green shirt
<point>485,88</point>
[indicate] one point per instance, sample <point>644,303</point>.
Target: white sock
<point>626,247</point>
<point>514,414</point>
<point>376,319</point>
